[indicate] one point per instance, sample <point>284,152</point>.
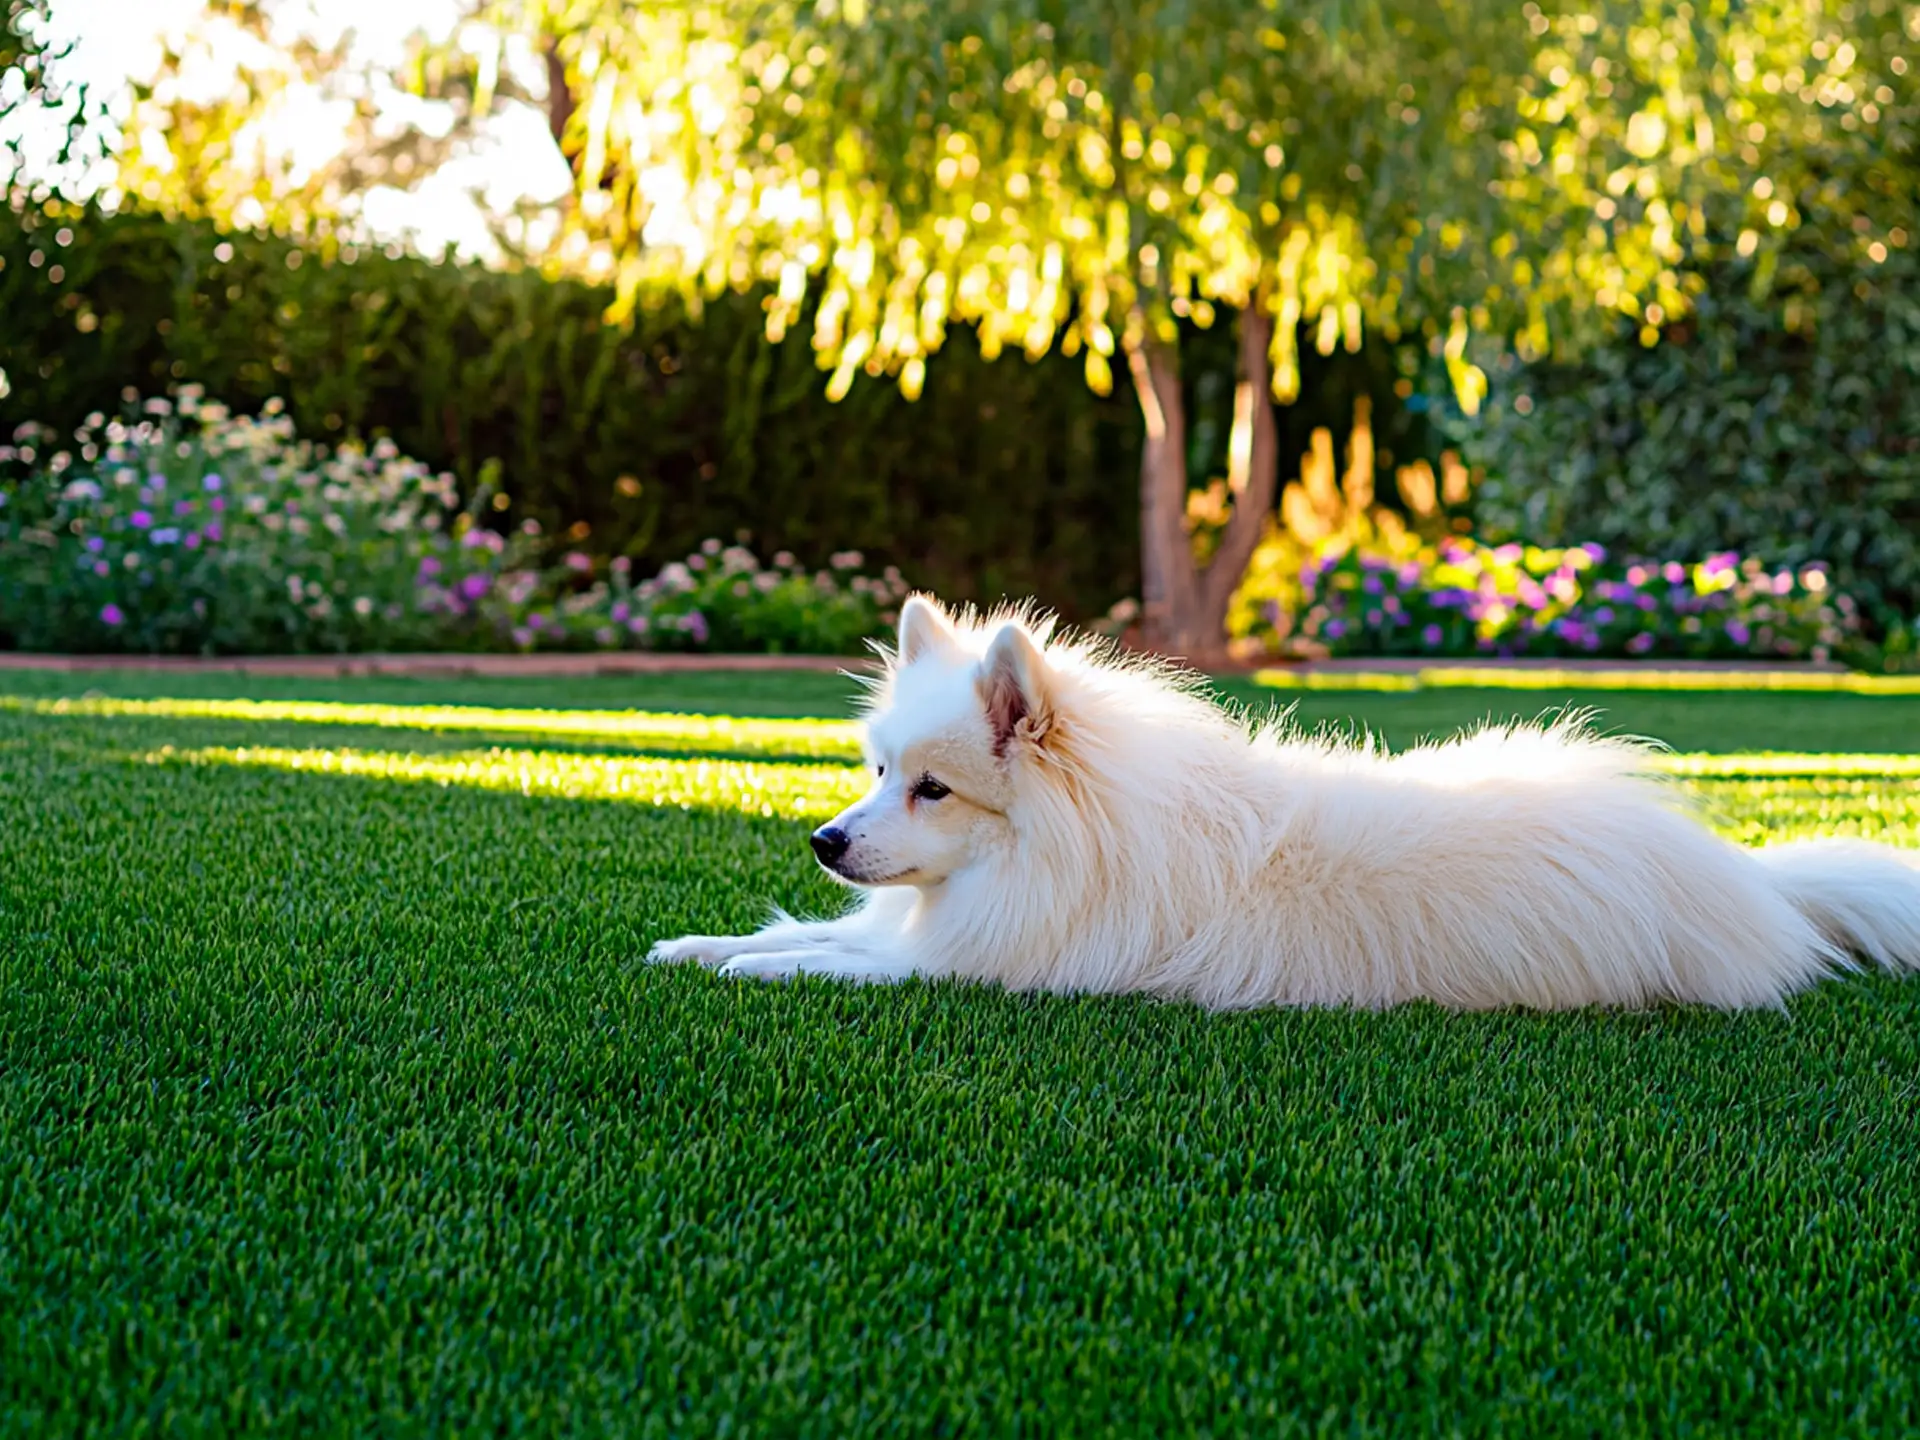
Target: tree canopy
<point>1090,175</point>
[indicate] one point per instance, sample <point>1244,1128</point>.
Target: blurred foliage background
<point>1648,270</point>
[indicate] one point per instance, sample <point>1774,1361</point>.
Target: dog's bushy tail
<point>1863,898</point>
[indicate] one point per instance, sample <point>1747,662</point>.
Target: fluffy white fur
<point>1106,829</point>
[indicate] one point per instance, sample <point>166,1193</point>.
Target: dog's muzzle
<point>830,844</point>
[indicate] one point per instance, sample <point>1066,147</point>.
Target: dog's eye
<point>880,772</point>
<point>928,788</point>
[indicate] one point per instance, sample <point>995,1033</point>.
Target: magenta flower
<point>216,504</point>
<point>619,613</point>
<point>111,614</point>
<point>1431,637</point>
<point>1641,643</point>
<point>140,519</point>
<point>474,586</point>
<point>429,565</point>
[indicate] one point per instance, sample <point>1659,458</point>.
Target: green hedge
<point>1734,433</point>
<point>1004,478</point>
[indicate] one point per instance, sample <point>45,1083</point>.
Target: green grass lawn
<point>334,1096</point>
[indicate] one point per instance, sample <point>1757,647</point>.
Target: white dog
<point>1048,816</point>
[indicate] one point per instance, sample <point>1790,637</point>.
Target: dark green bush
<point>1734,433</point>
<point>1004,478</point>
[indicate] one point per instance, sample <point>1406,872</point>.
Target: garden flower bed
<point>1463,598</point>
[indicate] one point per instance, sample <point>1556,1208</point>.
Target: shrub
<point>1781,427</point>
<point>638,442</point>
<point>189,531</point>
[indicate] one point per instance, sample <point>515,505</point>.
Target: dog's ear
<point>925,630</point>
<point>1013,688</point>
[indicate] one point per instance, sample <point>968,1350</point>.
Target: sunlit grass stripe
<point>751,787</point>
<point>1791,765</point>
<point>812,739</point>
<point>814,792</point>
<point>1467,677</point>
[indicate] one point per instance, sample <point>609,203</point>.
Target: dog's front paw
<point>703,949</point>
<point>761,967</point>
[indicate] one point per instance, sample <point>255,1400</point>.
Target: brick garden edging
<point>642,663</point>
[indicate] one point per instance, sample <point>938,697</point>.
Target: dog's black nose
<point>830,843</point>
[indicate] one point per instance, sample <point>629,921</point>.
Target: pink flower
<point>579,563</point>
<point>111,614</point>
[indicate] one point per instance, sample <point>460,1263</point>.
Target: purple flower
<point>102,568</point>
<point>212,482</point>
<point>1595,553</point>
<point>619,613</point>
<point>216,504</point>
<point>1431,637</point>
<point>1641,643</point>
<point>96,544</point>
<point>183,507</point>
<point>429,565</point>
<point>523,637</point>
<point>213,531</point>
<point>1335,629</point>
<point>111,614</point>
<point>696,624</point>
<point>536,621</point>
<point>474,586</point>
<point>1372,585</point>
<point>140,519</point>
<point>1410,573</point>
<point>192,542</point>
<point>166,536</point>
<point>1603,616</point>
<point>1738,633</point>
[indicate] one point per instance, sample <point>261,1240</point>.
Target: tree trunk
<point>559,93</point>
<point>1167,579</point>
<point>1184,608</point>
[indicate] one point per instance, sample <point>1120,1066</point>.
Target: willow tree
<point>1092,175</point>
